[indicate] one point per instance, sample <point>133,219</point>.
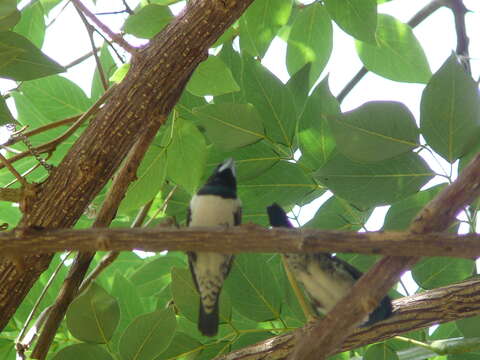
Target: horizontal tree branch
<point>411,313</point>
<point>245,238</point>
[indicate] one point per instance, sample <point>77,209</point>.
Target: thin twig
<point>14,171</point>
<point>20,337</point>
<point>109,258</point>
<point>81,58</point>
<point>459,10</point>
<point>115,37</point>
<point>90,28</point>
<point>51,145</point>
<point>163,207</point>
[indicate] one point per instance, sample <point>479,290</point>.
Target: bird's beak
<point>228,164</point>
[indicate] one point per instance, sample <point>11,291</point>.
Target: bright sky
<point>67,40</point>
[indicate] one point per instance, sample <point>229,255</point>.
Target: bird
<point>325,278</point>
<point>215,204</point>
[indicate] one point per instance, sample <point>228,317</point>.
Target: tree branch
<point>449,303</point>
<point>245,238</point>
<point>328,334</point>
<point>459,10</point>
<point>148,93</point>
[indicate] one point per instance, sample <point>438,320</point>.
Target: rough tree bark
<point>153,85</point>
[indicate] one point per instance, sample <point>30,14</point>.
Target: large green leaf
<point>375,131</point>
<point>32,24</point>
<point>56,97</point>
<point>83,352</point>
<point>401,213</point>
<point>93,316</point>
<point>285,183</point>
<point>450,111</point>
<point>250,161</point>
<point>7,349</point>
<point>9,15</point>
<point>148,21</point>
<point>356,17</point>
<point>253,289</point>
<point>316,141</point>
<point>20,60</point>
<point>398,55</point>
<point>183,346</point>
<point>148,335</point>
<point>370,184</point>
<point>468,327</point>
<point>273,101</point>
<point>338,214</point>
<point>5,114</point>
<point>212,77</point>
<point>230,126</point>
<point>434,272</point>
<point>186,154</point>
<point>380,351</point>
<point>150,178</point>
<point>310,41</point>
<point>260,24</point>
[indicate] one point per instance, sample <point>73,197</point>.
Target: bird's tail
<point>208,322</point>
<point>278,217</point>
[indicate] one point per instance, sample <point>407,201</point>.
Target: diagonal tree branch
<point>240,239</point>
<point>449,303</point>
<point>328,335</point>
<point>152,87</point>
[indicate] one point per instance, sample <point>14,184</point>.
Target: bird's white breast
<point>212,210</point>
<point>324,287</point>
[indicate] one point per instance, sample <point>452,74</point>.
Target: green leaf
<point>285,183</point>
<point>380,351</point>
<point>5,114</point>
<point>183,346</point>
<point>299,87</point>
<point>310,41</point>
<point>273,101</point>
<point>338,214</point>
<point>398,55</point>
<point>154,275</point>
<point>56,97</point>
<point>212,77</point>
<point>230,126</point>
<point>261,22</point>
<point>253,289</point>
<point>356,17</point>
<point>150,178</point>
<point>367,185</point>
<point>7,349</point>
<point>446,330</point>
<point>20,60</point>
<point>434,272</point>
<point>128,299</point>
<point>315,138</point>
<point>93,316</point>
<point>32,24</point>
<point>148,21</point>
<point>401,213</point>
<point>83,352</point>
<point>9,21</point>
<point>186,155</point>
<point>468,326</point>
<point>148,335</point>
<point>250,161</point>
<point>376,131</point>
<point>120,73</point>
<point>450,111</point>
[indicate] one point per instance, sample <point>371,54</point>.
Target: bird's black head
<point>222,182</point>
<point>278,217</point>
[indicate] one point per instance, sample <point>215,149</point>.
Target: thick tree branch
<point>150,90</point>
<point>328,335</point>
<point>411,313</point>
<point>245,238</point>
